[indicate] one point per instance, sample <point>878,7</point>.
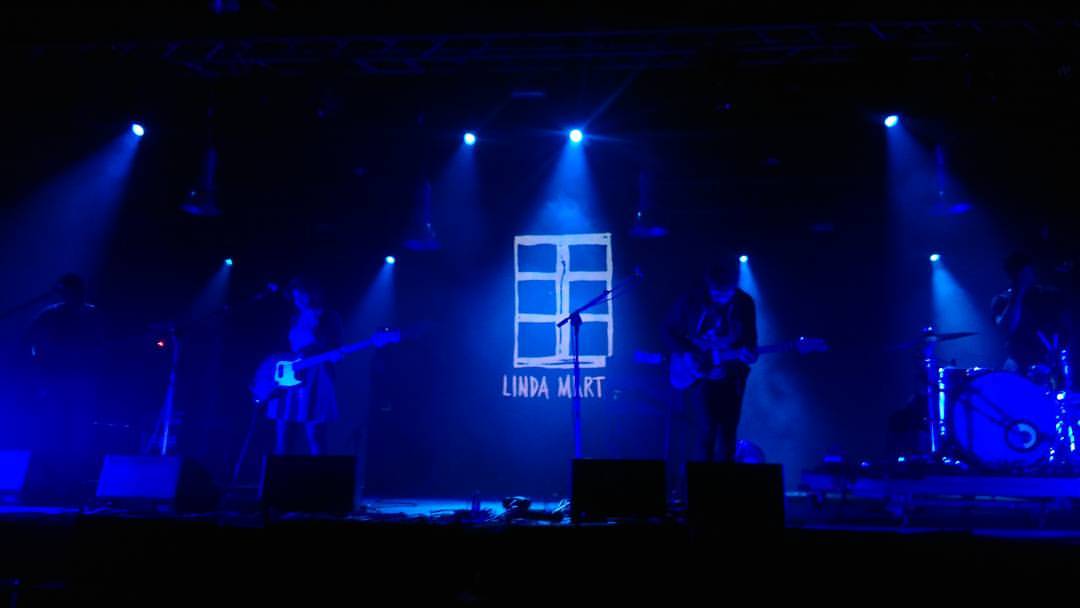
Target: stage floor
<point>986,517</point>
<point>423,549</point>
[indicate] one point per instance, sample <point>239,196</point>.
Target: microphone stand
<point>165,418</point>
<point>170,392</point>
<point>574,319</point>
<point>27,304</point>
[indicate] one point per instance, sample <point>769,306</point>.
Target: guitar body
<point>274,373</point>
<point>686,369</point>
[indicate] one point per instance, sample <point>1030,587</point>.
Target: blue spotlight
<point>934,257</point>
<point>137,129</point>
<point>228,262</point>
<point>470,138</point>
<point>892,120</point>
<point>744,258</point>
<point>391,259</point>
<point>576,136</point>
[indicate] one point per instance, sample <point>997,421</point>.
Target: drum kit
<point>1024,421</point>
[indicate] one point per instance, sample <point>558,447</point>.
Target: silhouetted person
<point>1034,316</point>
<point>313,330</point>
<point>65,344</point>
<point>722,313</point>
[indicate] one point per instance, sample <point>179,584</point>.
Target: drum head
<point>1004,419</point>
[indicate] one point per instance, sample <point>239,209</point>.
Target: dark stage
<point>411,550</point>
<point>536,304</point>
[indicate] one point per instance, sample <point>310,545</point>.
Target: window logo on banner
<point>554,275</point>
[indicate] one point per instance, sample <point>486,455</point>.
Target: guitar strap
<point>700,325</point>
<point>701,320</point>
<point>705,315</point>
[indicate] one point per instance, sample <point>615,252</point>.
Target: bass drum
<point>1004,419</point>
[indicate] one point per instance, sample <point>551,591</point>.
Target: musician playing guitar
<point>313,402</point>
<point>1036,319</point>
<point>717,327</point>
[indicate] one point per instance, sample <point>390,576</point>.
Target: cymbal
<point>933,337</point>
<point>956,335</point>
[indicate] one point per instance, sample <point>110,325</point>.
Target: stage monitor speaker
<point>14,465</point>
<point>308,484</point>
<point>735,497</point>
<point>134,481</point>
<point>617,489</point>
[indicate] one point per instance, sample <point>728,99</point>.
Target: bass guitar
<point>278,372</point>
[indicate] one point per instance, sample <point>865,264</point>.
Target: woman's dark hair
<point>308,286</point>
<point>71,281</point>
<point>1016,262</point>
<point>71,286</point>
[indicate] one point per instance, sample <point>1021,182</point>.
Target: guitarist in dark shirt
<point>721,317</point>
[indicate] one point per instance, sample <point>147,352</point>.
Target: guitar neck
<point>731,354</point>
<point>331,355</point>
<point>775,348</point>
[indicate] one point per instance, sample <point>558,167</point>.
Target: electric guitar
<point>279,371</point>
<point>687,368</point>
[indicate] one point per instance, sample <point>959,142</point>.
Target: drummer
<point>1035,318</point>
